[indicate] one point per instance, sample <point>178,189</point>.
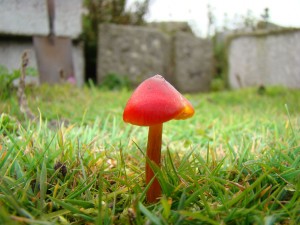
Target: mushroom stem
<point>153,154</point>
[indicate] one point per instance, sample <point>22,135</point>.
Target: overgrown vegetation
<point>235,162</point>
<point>6,82</point>
<point>7,79</point>
<point>115,82</point>
<point>220,65</point>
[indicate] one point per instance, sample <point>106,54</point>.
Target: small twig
<point>23,104</point>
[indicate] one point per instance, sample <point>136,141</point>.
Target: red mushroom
<point>154,102</point>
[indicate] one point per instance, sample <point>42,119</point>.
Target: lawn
<point>236,161</point>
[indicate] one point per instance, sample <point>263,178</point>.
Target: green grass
<point>237,161</point>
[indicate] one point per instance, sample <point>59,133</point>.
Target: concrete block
<point>267,59</point>
<point>193,62</point>
<point>11,53</point>
<point>132,51</point>
<point>30,17</point>
<point>12,50</point>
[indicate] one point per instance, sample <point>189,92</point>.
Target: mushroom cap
<point>156,101</point>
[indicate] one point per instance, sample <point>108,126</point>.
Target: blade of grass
<point>99,219</point>
<point>153,218</point>
<point>55,214</point>
<point>43,183</point>
<point>10,199</point>
<point>172,165</point>
<point>72,209</point>
<point>30,221</point>
<point>166,204</point>
<point>243,194</point>
<point>198,216</point>
<point>83,170</point>
<point>289,116</point>
<point>82,188</point>
<point>81,203</point>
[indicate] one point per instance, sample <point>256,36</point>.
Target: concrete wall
<point>11,53</point>
<point>20,20</point>
<point>271,58</point>
<point>193,62</point>
<point>30,17</point>
<point>141,52</point>
<point>135,52</point>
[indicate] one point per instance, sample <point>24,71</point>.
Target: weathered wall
<point>193,62</point>
<point>135,52</point>
<point>141,52</point>
<point>30,17</point>
<point>20,20</point>
<point>11,52</point>
<point>265,59</point>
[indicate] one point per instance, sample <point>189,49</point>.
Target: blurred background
<point>207,16</point>
<point>198,46</point>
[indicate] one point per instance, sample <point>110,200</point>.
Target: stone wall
<point>134,52</point>
<point>141,52</point>
<point>270,58</point>
<point>193,62</point>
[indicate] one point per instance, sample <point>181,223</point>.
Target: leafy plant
<point>115,82</point>
<point>8,124</point>
<point>220,64</point>
<point>6,81</point>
